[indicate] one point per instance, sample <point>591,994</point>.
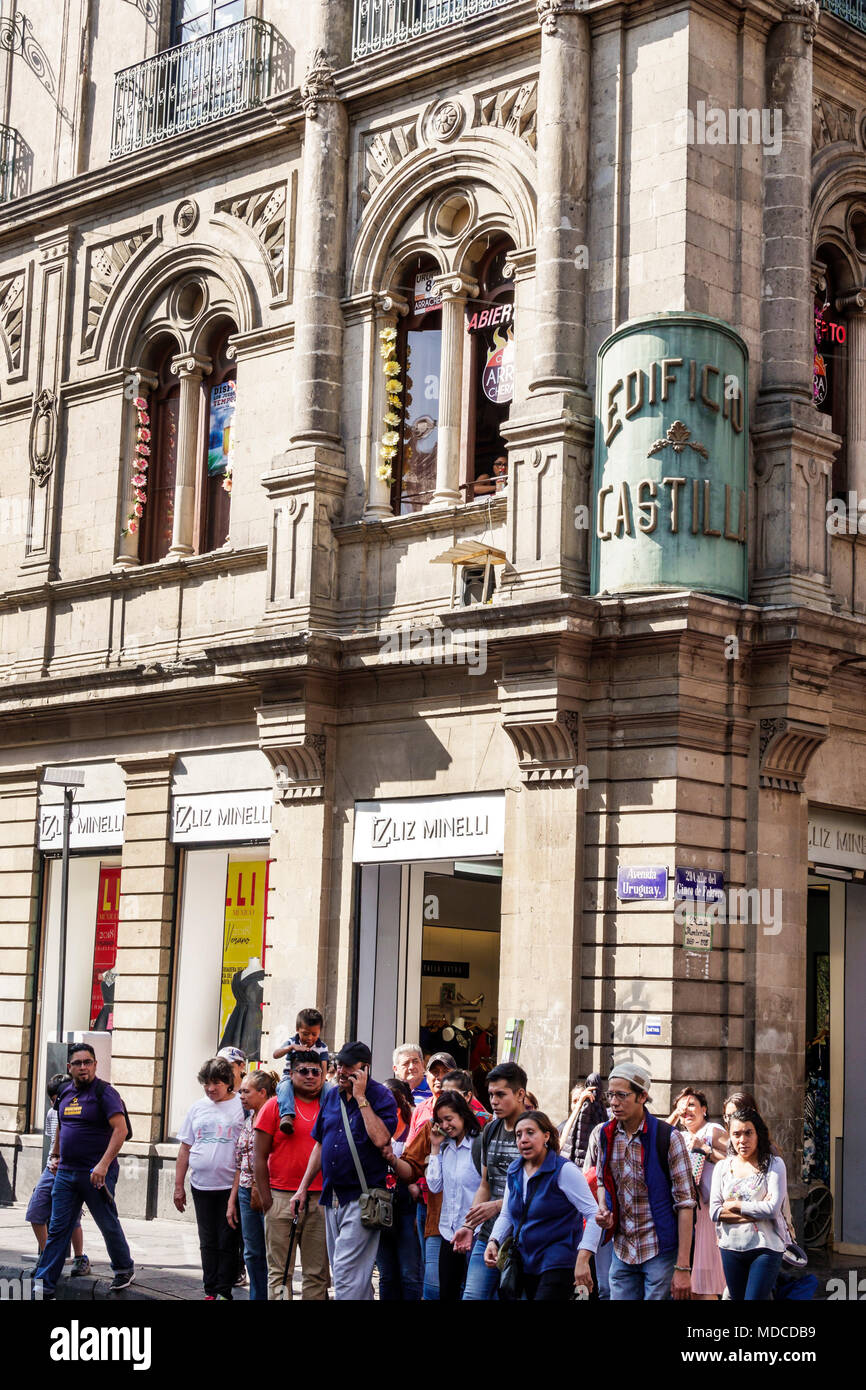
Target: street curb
<point>88,1289</point>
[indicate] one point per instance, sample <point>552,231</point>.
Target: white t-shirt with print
<point>211,1129</point>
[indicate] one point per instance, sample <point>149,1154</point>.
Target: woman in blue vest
<point>546,1201</point>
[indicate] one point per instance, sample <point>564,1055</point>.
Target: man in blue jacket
<point>645,1193</point>
<point>371,1113</point>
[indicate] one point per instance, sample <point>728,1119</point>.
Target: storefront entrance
<point>428,933</point>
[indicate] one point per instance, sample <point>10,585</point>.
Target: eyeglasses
<point>306,1071</point>
<point>83,1062</point>
<point>618,1095</point>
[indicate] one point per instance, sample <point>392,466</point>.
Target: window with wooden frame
<point>192,18</point>
<point>419,350</point>
<point>488,385</point>
<point>158,519</point>
<point>219,412</point>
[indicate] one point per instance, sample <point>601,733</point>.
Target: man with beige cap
<point>645,1193</point>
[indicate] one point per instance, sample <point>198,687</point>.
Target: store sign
<point>498,376</point>
<point>105,949</point>
<point>94,825</point>
<point>641,883</point>
<point>671,457</point>
<point>438,827</point>
<point>220,817</point>
<point>837,839</point>
<point>446,969</point>
<point>426,297</point>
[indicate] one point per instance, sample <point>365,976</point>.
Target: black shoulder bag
<point>510,1259</point>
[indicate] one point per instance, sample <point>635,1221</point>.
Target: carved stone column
<point>51,316</point>
<point>455,289</point>
<point>190,369</point>
<point>855,305</point>
<point>563,164</point>
<point>373,314</point>
<point>794,445</point>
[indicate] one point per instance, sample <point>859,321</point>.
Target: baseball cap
<point>352,1052</point>
<point>233,1054</point>
<point>441,1059</point>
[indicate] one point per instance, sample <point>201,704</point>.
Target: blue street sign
<point>638,884</point>
<point>708,884</point>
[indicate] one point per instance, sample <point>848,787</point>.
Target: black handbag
<point>511,1261</point>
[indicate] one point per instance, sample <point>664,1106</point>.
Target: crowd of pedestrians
<point>448,1196</point>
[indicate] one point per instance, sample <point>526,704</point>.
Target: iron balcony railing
<point>8,163</point>
<point>385,23</point>
<point>852,11</point>
<point>219,74</point>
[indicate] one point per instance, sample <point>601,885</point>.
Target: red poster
<point>105,949</point>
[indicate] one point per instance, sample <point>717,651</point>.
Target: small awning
<point>470,553</point>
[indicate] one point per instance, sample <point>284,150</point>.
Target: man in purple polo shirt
<point>91,1130</point>
<point>371,1114</point>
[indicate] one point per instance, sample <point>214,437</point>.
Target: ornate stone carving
<point>446,121</point>
<point>12,315</point>
<point>550,10</point>
<point>383,152</point>
<point>186,216</point>
<point>787,746</point>
<point>547,750</point>
<point>678,438</point>
<point>296,753</point>
<point>806,12</point>
<point>832,122</point>
<point>511,108</point>
<point>318,84</point>
<point>105,265</point>
<point>43,437</point>
<point>264,212</point>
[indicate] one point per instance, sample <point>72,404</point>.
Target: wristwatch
<point>362,1103</point>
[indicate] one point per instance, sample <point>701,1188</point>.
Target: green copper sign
<point>671,451</point>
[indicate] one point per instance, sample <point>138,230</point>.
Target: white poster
<point>436,827</point>
<point>221,817</point>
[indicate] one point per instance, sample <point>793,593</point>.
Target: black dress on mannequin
<point>244,1024</point>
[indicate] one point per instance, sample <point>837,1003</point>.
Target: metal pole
<point>68,794</point>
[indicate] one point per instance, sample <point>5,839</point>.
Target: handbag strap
<point>347,1127</point>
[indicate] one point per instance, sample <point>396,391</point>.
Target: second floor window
<point>221,387</point>
<point>158,521</point>
<point>192,18</point>
<point>420,350</point>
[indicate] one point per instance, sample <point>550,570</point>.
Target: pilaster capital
<point>295,750</point>
<point>147,769</point>
<point>806,12</point>
<point>190,364</point>
<point>391,305</point>
<point>519,265</point>
<point>550,11</point>
<point>787,747</point>
<point>455,286</point>
<point>853,303</point>
<point>318,84</point>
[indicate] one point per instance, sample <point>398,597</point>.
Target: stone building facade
<point>359,727</point>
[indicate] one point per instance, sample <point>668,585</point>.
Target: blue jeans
<point>401,1269</point>
<point>481,1282</point>
<point>286,1096</point>
<point>651,1279</point>
<point>71,1190</point>
<point>431,1268</point>
<point>255,1254</point>
<point>751,1274</point>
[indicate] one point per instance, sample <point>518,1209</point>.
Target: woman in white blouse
<point>748,1191</point>
<point>451,1170</point>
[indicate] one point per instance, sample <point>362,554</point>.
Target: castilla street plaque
<point>671,451</point>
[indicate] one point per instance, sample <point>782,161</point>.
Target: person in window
<point>497,481</point>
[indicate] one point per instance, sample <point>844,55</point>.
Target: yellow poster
<point>243,948</point>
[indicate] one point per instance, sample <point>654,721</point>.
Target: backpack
<point>99,1089</point>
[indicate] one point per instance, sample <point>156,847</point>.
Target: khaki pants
<point>312,1244</point>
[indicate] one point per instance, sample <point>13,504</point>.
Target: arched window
<point>419,353</point>
<point>490,371</point>
<point>221,400</point>
<point>830,378</point>
<point>158,518</point>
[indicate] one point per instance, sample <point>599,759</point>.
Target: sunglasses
<point>306,1071</point>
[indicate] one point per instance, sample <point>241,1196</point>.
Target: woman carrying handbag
<point>257,1087</point>
<point>547,1198</point>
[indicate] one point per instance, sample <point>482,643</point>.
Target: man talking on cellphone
<point>371,1113</point>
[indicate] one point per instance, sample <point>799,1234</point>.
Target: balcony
<point>852,11</point>
<point>184,88</point>
<point>381,24</point>
<point>9,164</point>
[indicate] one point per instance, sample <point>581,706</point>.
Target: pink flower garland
<point>139,477</point>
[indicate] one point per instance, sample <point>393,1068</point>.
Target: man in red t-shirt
<point>280,1163</point>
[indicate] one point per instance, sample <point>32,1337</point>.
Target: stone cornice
<point>466,517</point>
<point>16,408</point>
<point>673,727</point>
<point>260,341</point>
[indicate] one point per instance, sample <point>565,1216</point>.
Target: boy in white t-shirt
<point>307,1039</point>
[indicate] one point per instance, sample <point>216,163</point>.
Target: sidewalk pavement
<point>166,1254</point>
